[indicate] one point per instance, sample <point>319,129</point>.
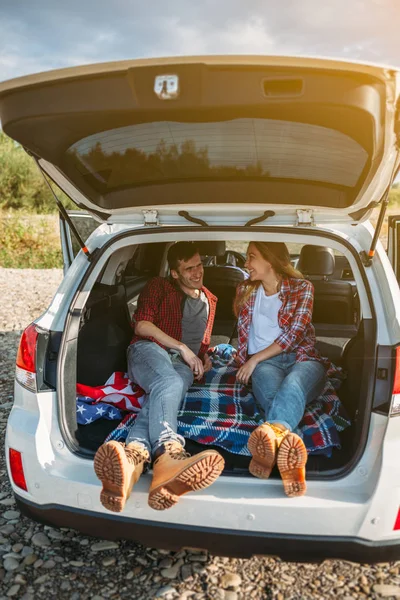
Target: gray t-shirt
<point>194,321</point>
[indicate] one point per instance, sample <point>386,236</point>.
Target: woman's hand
<point>244,373</point>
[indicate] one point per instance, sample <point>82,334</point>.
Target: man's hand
<point>193,361</point>
<point>207,363</point>
<point>244,373</point>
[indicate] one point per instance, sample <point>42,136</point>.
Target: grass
<point>29,241</point>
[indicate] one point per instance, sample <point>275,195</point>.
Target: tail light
<point>25,372</point>
<point>17,469</point>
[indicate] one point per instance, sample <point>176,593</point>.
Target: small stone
<point>142,561</point>
<point>387,590</point>
<point>167,589</point>
<point>104,545</point>
<point>230,580</point>
<point>186,572</point>
<point>187,593</point>
<point>27,596</point>
<point>17,547</point>
<point>363,580</point>
<point>129,575</point>
<point>165,563</point>
<point>19,579</point>
<point>84,542</point>
<point>49,564</point>
<point>41,579</point>
<point>38,563</point>
<point>7,502</point>
<point>30,559</point>
<point>198,557</point>
<point>108,561</point>
<point>229,595</point>
<point>173,571</point>
<point>11,514</point>
<point>41,540</point>
<point>7,529</point>
<point>12,555</point>
<point>76,563</point>
<point>366,589</point>
<point>55,534</point>
<point>10,564</point>
<point>13,591</point>
<point>213,568</point>
<point>65,586</point>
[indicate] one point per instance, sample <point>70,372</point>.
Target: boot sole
<point>263,450</point>
<point>108,466</point>
<point>196,476</point>
<point>292,458</point>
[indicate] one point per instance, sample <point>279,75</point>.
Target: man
<point>173,325</point>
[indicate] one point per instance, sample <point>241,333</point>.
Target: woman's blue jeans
<point>283,387</point>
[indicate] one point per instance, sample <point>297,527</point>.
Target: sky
<point>49,34</point>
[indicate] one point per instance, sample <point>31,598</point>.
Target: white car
<point>220,150</point>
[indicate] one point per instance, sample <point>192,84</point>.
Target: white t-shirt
<point>264,328</point>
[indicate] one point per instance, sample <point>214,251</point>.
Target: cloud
<point>46,35</point>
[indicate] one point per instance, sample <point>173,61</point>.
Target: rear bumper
<point>223,542</point>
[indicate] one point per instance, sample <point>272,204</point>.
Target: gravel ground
<point>41,562</point>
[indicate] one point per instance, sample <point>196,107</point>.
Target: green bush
<point>21,184</point>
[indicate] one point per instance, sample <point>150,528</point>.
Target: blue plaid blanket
<point>221,412</point>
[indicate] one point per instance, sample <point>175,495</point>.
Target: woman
<point>277,350</point>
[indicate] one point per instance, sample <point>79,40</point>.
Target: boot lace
<point>177,452</point>
<point>136,455</point>
<point>278,431</point>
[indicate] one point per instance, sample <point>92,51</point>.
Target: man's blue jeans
<point>283,387</point>
<point>165,378</point>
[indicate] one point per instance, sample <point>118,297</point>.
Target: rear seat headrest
<point>211,248</point>
<point>316,260</point>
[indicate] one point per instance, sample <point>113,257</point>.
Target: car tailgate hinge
<point>305,217</point>
<point>150,217</point>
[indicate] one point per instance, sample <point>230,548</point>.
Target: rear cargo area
<point>343,336</point>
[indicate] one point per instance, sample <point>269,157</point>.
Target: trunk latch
<point>305,217</point>
<point>150,217</point>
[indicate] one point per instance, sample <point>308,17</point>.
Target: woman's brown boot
<point>119,467</point>
<point>263,445</point>
<point>292,457</point>
<point>175,472</point>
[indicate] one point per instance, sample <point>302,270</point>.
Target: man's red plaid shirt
<point>161,302</point>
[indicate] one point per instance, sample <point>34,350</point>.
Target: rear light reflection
<point>25,372</point>
<point>17,469</point>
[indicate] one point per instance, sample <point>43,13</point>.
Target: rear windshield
<point>148,153</point>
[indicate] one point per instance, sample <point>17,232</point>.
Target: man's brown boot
<point>175,472</point>
<point>291,458</point>
<point>263,445</point>
<point>119,467</point>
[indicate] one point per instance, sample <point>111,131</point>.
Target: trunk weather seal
<point>337,474</point>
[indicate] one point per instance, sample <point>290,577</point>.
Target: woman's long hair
<point>277,254</point>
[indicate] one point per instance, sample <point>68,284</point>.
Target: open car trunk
<point>104,332</point>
